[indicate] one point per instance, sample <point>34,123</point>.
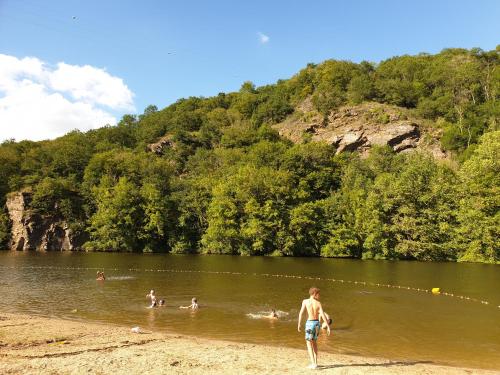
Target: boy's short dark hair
<point>330,321</point>
<point>313,291</point>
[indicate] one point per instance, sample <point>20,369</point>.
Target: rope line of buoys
<point>435,291</point>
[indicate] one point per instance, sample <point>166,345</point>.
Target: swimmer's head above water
<point>272,315</point>
<point>193,305</point>
<point>327,323</point>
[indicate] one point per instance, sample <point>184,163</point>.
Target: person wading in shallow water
<point>312,327</point>
<point>153,298</point>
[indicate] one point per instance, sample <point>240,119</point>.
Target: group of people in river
<point>152,296</point>
<point>317,318</point>
<point>161,302</point>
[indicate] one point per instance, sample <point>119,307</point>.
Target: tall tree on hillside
<point>479,212</point>
<point>116,223</point>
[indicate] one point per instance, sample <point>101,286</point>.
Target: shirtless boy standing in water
<point>314,311</point>
<point>153,298</point>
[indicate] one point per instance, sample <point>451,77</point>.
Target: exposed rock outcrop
<point>358,128</point>
<point>160,146</point>
<point>31,231</point>
<point>400,136</point>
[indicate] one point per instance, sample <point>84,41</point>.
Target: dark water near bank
<point>368,320</point>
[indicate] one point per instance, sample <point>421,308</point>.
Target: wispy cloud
<point>263,38</point>
<point>39,101</point>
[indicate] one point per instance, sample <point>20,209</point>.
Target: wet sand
<point>35,345</point>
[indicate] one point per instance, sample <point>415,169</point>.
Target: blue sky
<point>165,50</point>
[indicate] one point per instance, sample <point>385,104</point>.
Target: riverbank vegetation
<point>223,181</point>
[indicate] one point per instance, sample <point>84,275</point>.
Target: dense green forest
<point>227,183</point>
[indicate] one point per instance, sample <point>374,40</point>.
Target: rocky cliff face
<point>358,128</point>
<point>30,231</point>
<point>159,146</point>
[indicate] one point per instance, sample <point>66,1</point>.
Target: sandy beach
<point>35,345</point>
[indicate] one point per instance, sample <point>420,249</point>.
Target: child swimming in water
<point>272,315</point>
<point>153,298</point>
<point>328,322</point>
<point>192,306</point>
<point>100,276</point>
<point>161,303</point>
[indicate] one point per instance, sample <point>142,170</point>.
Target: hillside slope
<point>286,169</point>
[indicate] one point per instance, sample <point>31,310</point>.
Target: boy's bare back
<point>313,308</point>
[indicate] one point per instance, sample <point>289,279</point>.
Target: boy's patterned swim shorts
<point>312,330</point>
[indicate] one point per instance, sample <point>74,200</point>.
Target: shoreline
<point>197,253</point>
<point>32,344</point>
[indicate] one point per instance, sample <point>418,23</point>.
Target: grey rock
<point>399,136</point>
<point>351,142</point>
<point>359,128</point>
<point>160,146</point>
<point>31,231</point>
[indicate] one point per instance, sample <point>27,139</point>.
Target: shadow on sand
<point>383,364</point>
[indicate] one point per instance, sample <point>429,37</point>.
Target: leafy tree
<point>155,222</point>
<point>191,198</point>
<point>479,214</point>
<point>274,107</point>
<point>150,109</point>
<point>315,172</point>
<point>306,233</point>
<point>114,226</point>
<point>421,205</point>
<point>400,80</point>
<point>49,194</point>
<point>331,82</point>
<point>4,229</point>
<point>10,162</point>
<point>222,235</point>
<point>360,89</point>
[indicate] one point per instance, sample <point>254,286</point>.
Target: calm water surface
<point>374,321</point>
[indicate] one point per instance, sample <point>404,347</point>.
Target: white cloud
<point>263,38</point>
<point>92,85</point>
<point>38,101</point>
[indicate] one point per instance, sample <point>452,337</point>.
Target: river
<point>394,319</point>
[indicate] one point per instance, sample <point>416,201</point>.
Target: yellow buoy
<point>436,291</point>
